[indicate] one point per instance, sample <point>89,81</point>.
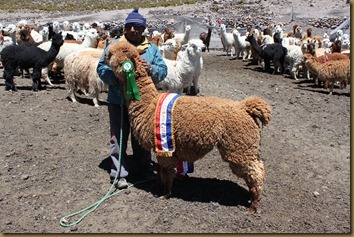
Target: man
<point>140,162</point>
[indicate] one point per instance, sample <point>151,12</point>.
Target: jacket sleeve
<point>158,66</point>
<point>105,72</point>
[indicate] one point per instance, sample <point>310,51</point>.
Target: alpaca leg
<point>331,88</point>
<point>9,78</point>
<point>36,80</point>
<point>46,77</point>
<point>166,172</point>
<point>253,173</point>
<point>267,65</point>
<point>95,99</point>
<point>243,55</point>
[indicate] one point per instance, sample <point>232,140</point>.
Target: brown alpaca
<point>297,30</point>
<point>329,71</point>
<point>157,39</point>
<point>231,126</point>
<point>308,34</point>
<point>168,34</point>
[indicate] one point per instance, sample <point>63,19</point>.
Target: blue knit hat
<point>135,18</point>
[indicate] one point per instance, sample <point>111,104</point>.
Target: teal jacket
<point>115,93</point>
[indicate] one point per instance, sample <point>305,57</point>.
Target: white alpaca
<point>66,25</point>
<point>242,46</point>
<point>227,39</point>
<point>76,27</point>
<point>183,37</point>
<point>56,27</point>
<point>169,49</point>
<point>295,59</point>
<point>185,70</point>
<point>80,74</point>
<point>45,33</point>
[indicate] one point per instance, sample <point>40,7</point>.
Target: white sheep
<point>242,46</point>
<point>185,70</point>
<point>227,39</point>
<point>184,37</point>
<point>66,49</point>
<point>80,74</point>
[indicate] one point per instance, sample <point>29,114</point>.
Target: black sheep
<point>275,52</point>
<point>28,56</point>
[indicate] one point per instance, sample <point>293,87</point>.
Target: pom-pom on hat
<point>135,18</point>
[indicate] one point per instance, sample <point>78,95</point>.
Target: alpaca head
<point>193,47</point>
<point>188,28</point>
<point>120,52</point>
<point>309,58</point>
<point>309,32</point>
<point>250,35</point>
<point>66,25</point>
<point>168,34</point>
<point>58,40</point>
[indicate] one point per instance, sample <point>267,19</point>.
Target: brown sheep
<point>233,127</point>
<point>330,71</point>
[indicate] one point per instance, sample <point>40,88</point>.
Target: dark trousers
<point>140,161</point>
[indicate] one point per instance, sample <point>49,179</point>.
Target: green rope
<point>65,223</point>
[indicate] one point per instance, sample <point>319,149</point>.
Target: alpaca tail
<point>257,108</point>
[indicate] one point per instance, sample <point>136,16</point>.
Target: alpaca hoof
<point>252,210</point>
<point>10,87</point>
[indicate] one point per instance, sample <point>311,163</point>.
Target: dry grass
<point>85,5</point>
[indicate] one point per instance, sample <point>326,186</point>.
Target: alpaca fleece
<point>205,37</point>
<point>330,72</point>
<point>200,124</point>
<point>275,52</point>
<point>80,74</point>
<point>322,59</point>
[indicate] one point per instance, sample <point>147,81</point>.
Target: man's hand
<point>147,66</point>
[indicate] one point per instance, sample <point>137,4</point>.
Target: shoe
<point>121,184</point>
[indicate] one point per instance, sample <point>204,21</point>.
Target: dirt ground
<point>52,151</point>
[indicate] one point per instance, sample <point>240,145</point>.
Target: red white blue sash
<point>164,141</point>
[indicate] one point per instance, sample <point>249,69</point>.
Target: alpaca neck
<point>255,46</point>
<point>147,91</point>
<point>52,53</point>
<point>88,41</point>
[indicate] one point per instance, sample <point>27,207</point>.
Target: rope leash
<point>64,220</point>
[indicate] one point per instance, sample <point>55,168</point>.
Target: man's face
<point>133,33</point>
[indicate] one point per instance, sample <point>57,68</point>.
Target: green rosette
<point>132,90</point>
